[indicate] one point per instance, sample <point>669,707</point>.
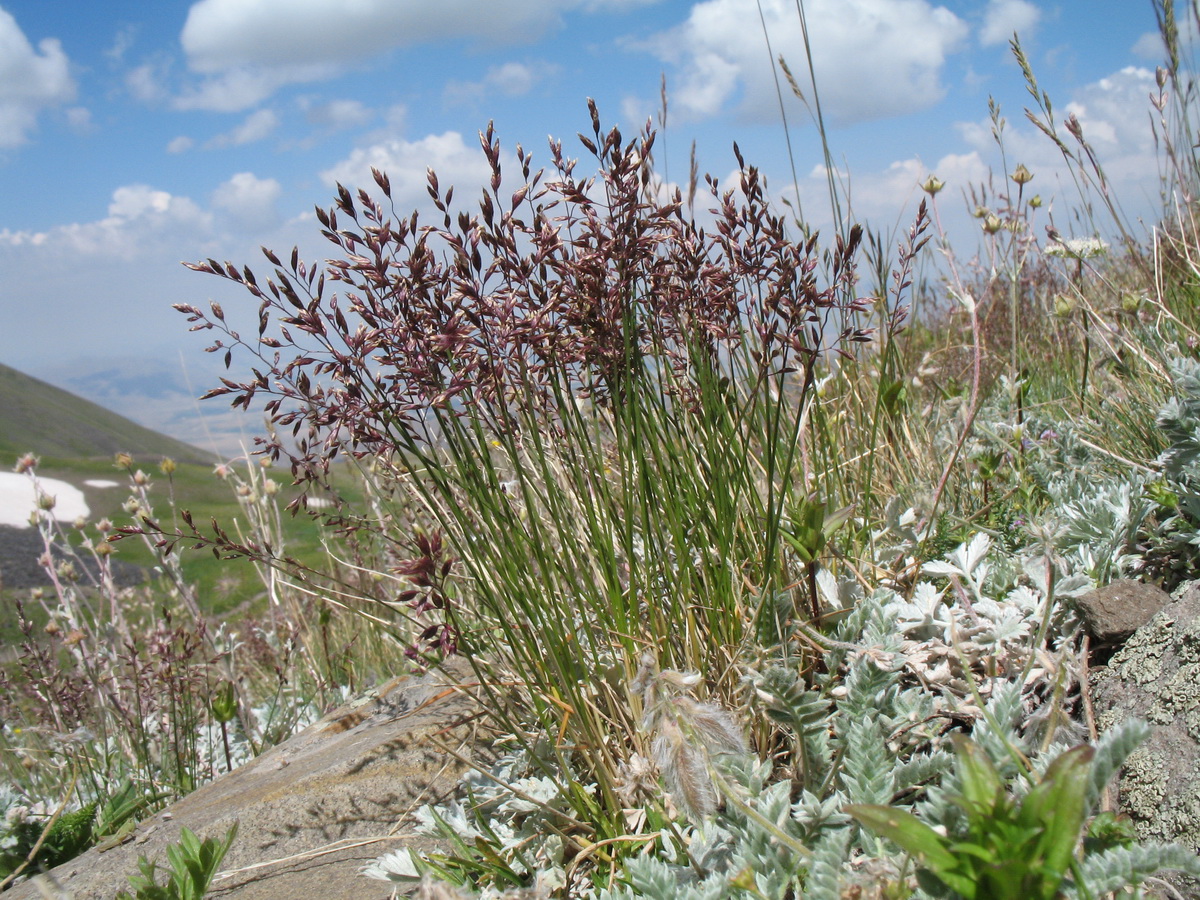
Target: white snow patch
<point>101,483</point>
<point>18,499</point>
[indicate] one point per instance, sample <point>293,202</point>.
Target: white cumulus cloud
<point>406,162</point>
<point>181,144</point>
<point>512,79</point>
<point>30,80</point>
<point>257,126</point>
<point>242,87</point>
<point>224,34</point>
<point>245,51</point>
<point>1003,17</point>
<point>249,201</point>
<point>148,82</point>
<point>139,217</point>
<point>335,115</point>
<point>79,119</point>
<point>873,58</point>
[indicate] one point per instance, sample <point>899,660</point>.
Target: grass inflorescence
<point>736,526</point>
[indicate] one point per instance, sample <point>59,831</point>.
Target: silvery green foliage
<point>513,808</point>
<point>1098,506</point>
<point>1171,548</point>
<point>996,732</point>
<point>1102,526</point>
<point>1119,867</point>
<point>979,611</point>
<point>900,536</point>
<point>1117,521</point>
<point>756,847</point>
<point>1179,419</point>
<point>862,733</point>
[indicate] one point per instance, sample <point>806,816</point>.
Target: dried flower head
<point>688,735</point>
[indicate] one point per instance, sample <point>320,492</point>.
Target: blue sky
<point>136,135</point>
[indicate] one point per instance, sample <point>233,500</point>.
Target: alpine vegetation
<point>768,550</point>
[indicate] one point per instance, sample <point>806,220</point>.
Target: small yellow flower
<point>932,185</point>
<point>1022,175</point>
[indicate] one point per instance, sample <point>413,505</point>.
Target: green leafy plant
<point>1027,837</point>
<point>43,844</point>
<point>35,843</point>
<point>193,863</point>
<point>1010,848</point>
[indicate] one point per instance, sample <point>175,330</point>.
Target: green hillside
<point>40,418</point>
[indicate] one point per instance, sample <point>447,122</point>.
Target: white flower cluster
<point>1077,248</point>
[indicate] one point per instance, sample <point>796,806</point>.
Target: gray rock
<point>1114,612</point>
<point>313,810</point>
<point>1156,677</point>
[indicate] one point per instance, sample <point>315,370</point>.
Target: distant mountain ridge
<point>36,417</point>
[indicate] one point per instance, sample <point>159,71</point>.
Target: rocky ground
<point>20,549</point>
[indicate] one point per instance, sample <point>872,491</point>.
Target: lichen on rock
<point>1156,676</point>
